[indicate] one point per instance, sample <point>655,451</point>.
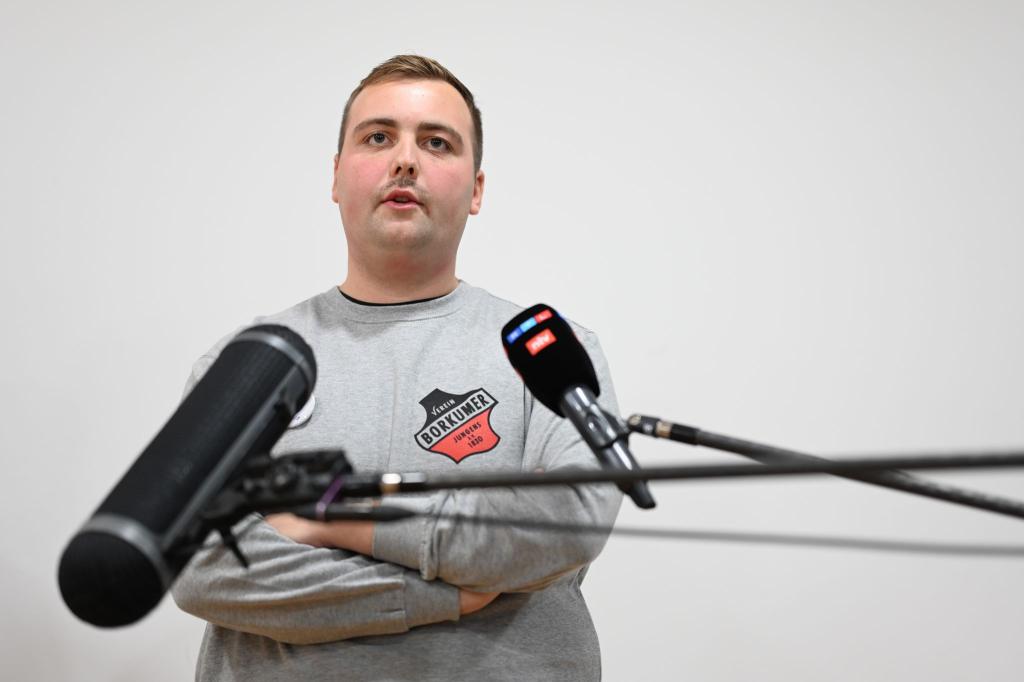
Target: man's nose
<point>405,163</point>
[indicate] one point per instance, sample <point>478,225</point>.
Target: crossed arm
<point>311,582</point>
<point>476,562</point>
<point>356,536</point>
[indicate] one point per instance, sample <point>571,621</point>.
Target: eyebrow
<point>426,126</point>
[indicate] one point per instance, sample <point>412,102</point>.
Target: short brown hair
<point>415,67</point>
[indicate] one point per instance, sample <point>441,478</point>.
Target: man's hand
<point>296,528</point>
<point>470,602</point>
<point>355,536</point>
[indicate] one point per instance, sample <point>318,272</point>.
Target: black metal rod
<point>769,454</point>
<point>372,485</point>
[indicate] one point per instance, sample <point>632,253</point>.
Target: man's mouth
<point>402,199</point>
<point>401,204</point>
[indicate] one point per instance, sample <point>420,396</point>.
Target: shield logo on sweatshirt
<point>458,426</point>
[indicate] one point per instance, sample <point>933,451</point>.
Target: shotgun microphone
<point>118,566</point>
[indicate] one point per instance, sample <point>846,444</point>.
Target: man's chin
<point>402,235</point>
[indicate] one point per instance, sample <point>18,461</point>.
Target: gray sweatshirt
<point>415,387</point>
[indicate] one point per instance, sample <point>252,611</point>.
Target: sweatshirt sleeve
<point>497,558</point>
<point>298,594</point>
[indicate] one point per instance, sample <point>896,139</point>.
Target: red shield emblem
<point>458,426</point>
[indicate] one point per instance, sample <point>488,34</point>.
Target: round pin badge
<point>303,415</point>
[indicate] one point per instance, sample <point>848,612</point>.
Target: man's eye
<point>438,147</point>
<point>377,138</point>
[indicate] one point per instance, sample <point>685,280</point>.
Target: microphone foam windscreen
<point>544,350</point>
<point>107,578</point>
<point>107,581</point>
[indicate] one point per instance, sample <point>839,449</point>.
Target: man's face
<point>412,136</point>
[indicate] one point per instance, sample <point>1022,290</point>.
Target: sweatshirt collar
<point>417,310</point>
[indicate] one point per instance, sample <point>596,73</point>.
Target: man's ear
<point>334,179</point>
<point>478,193</point>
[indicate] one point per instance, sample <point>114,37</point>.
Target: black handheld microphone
<point>556,368</point>
<point>118,566</point>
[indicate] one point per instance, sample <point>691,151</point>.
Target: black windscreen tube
<point>118,566</point>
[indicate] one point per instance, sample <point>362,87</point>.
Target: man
<point>412,377</point>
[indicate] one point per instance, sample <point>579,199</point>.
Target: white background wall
<point>795,222</point>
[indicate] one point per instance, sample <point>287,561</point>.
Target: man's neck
<point>396,284</point>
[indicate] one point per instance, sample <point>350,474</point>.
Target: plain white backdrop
<point>795,222</point>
